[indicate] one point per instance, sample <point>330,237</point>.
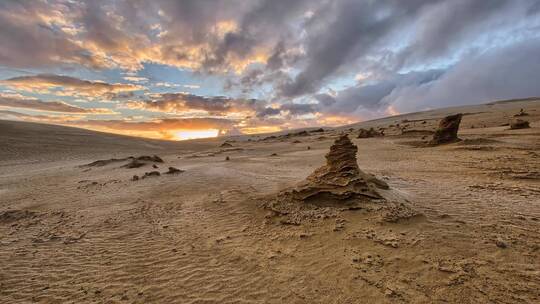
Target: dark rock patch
<point>519,124</point>
<point>173,170</point>
<point>447,130</point>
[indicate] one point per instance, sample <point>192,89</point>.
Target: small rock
<point>135,178</point>
<point>500,243</point>
<point>151,173</point>
<point>134,163</point>
<point>173,170</point>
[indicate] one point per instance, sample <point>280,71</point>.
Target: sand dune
<point>72,233</point>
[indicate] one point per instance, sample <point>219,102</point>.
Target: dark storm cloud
<point>504,73</point>
<point>30,40</point>
<point>372,96</point>
<point>443,27</point>
<point>350,31</point>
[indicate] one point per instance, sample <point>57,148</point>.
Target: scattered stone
<point>226,145</point>
<point>134,163</point>
<point>104,162</point>
<point>269,137</point>
<point>363,133</point>
<point>308,147</point>
<point>173,170</point>
<point>227,158</point>
<point>296,142</point>
<point>153,158</point>
<point>447,130</point>
<point>15,215</point>
<point>500,243</point>
<point>135,178</point>
<point>301,133</point>
<point>151,173</point>
<point>320,130</point>
<point>519,124</point>
<point>154,166</point>
<point>273,154</point>
<point>521,113</point>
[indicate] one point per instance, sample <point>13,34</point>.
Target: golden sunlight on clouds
<point>193,134</point>
<point>392,111</point>
<point>261,129</point>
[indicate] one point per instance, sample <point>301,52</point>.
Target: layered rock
<point>519,124</point>
<point>447,130</point>
<point>363,133</point>
<point>340,178</point>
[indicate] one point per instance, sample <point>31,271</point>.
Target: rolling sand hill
<point>455,223</point>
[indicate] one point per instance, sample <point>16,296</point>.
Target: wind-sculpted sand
<point>412,223</point>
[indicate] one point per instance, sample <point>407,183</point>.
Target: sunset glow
<point>177,70</point>
<point>194,134</point>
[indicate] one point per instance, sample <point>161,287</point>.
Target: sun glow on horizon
<point>194,134</point>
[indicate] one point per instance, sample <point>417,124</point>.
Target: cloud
<point>69,86</point>
<point>38,34</point>
<point>161,124</point>
<point>494,75</point>
<point>135,78</point>
<point>497,74</point>
<point>183,102</point>
<point>18,101</point>
<point>311,61</point>
<point>12,115</point>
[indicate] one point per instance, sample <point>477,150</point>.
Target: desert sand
<point>456,223</point>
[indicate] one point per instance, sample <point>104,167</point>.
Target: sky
<point>180,69</point>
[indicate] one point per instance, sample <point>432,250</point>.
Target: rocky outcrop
<point>363,133</point>
<point>338,186</point>
<point>519,124</point>
<point>447,130</point>
<point>339,179</point>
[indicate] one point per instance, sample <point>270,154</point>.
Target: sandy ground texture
<point>77,233</point>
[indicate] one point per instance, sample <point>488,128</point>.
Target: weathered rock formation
<point>519,124</point>
<point>337,186</point>
<point>340,179</point>
<point>447,130</point>
<point>363,133</point>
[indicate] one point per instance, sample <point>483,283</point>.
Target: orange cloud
<point>68,86</point>
<point>184,102</point>
<point>19,101</point>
